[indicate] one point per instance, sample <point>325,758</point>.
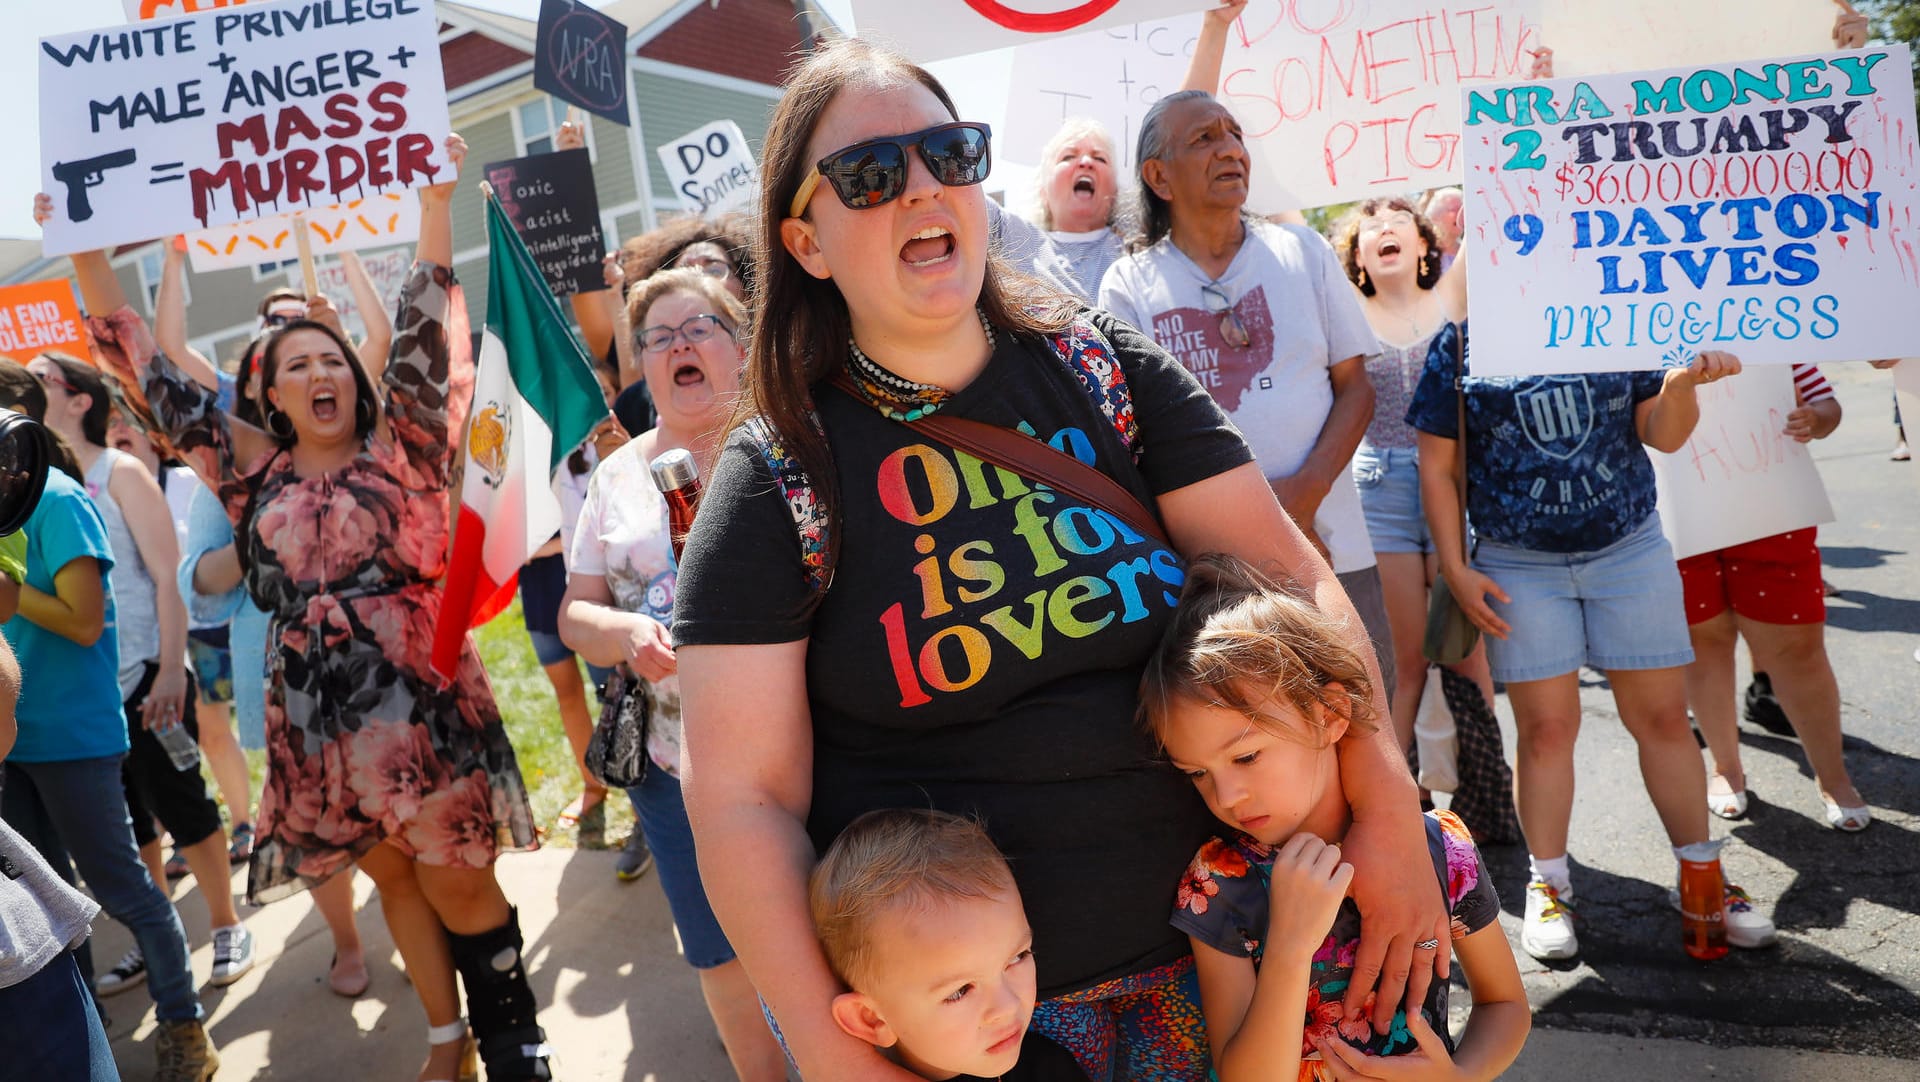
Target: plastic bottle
<point>179,743</point>
<point>678,479</point>
<point>1703,907</point>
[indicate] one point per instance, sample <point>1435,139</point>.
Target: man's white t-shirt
<point>1287,289</point>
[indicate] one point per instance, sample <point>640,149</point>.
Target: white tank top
<point>136,613</point>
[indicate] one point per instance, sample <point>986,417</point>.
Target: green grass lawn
<point>533,723</point>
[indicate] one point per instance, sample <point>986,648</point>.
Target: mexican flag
<point>535,400</point>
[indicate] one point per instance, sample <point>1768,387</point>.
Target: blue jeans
<point>75,813</point>
<point>49,1028</point>
<point>662,812</point>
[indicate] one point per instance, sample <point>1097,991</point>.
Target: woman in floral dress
<point>342,504</point>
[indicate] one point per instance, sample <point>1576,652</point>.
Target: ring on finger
<point>1427,945</point>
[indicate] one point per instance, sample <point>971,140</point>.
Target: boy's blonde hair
<point>1240,639</point>
<point>891,857</point>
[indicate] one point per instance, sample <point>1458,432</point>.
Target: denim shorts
<point>662,812</point>
<point>1389,483</point>
<point>1619,607</point>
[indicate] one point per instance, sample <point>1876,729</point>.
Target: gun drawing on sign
<point>86,173</point>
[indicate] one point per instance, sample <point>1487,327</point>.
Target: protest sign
<point>1740,477</point>
<point>387,270</point>
<point>142,10</point>
<point>1336,105</point>
<point>39,316</point>
<point>579,56</point>
<point>1629,221</point>
<point>712,169</point>
<point>1639,35</point>
<point>937,29</point>
<point>393,218</point>
<point>230,115</point>
<point>551,201</point>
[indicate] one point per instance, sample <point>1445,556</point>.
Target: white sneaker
<point>232,954</point>
<point>129,971</point>
<point>1747,927</point>
<point>1547,933</point>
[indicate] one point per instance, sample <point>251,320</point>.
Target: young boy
<point>919,916</point>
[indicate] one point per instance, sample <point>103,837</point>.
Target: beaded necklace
<point>897,397</point>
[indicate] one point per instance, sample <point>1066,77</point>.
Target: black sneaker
<point>635,859</point>
<point>1764,710</point>
<point>131,970</point>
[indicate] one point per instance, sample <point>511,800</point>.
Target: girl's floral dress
<point>363,745</point>
<point>1223,903</point>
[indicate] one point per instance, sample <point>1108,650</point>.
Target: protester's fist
<point>456,148</point>
<point>321,310</point>
<point>1849,26</point>
<point>42,208</point>
<point>1228,11</point>
<point>571,136</point>
<point>614,273</point>
<point>175,250</point>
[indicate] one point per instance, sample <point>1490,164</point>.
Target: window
<point>151,261</point>
<point>535,123</point>
<point>274,272</point>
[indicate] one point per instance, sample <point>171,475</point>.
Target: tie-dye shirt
<point>980,647</point>
<point>1223,902</point>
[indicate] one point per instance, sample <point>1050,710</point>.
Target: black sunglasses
<point>875,172</point>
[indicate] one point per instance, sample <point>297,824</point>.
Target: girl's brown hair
<point>685,280</point>
<point>1240,640</point>
<point>803,321</point>
<point>21,392</point>
<point>1347,241</point>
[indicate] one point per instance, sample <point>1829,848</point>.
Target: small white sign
<point>393,218</point>
<point>712,170</point>
<point>1740,477</point>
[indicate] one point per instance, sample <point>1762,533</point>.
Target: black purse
<point>1450,635</point>
<point>617,751</point>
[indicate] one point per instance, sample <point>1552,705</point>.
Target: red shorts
<point>1775,580</point>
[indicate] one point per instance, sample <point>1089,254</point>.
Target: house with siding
<point>689,63</point>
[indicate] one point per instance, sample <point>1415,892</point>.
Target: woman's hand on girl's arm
<point>436,209</point>
<point>1388,834</point>
<point>170,317</point>
<point>748,777</point>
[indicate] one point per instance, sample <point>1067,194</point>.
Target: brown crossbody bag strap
<point>1034,460</point>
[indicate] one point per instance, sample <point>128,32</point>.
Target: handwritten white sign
<point>209,119</point>
<point>936,29</point>
<point>386,270</point>
<point>393,218</point>
<point>712,169</point>
<point>1740,478</point>
<point>1361,98</point>
<point>1591,38</point>
<point>1624,222</point>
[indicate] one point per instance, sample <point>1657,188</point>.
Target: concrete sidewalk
<point>618,1002</point>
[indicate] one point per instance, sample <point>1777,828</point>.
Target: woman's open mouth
<point>688,375</point>
<point>325,406</point>
<point>1389,246</point>
<point>930,246</point>
<point>1083,185</point>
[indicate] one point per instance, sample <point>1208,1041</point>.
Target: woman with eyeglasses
<point>341,504</point>
<point>869,619</point>
<point>620,597</point>
<point>1391,254</point>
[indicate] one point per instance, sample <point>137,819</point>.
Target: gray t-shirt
<point>41,918</point>
<point>1073,263</point>
<point>1286,287</point>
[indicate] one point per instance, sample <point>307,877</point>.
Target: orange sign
<point>40,316</point>
<point>141,10</point>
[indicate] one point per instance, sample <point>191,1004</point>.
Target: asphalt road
<point>1845,976</point>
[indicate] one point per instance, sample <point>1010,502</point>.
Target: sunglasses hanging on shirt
<point>1231,329</point>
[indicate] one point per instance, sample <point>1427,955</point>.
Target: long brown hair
<point>802,322</point>
<point>1347,241</point>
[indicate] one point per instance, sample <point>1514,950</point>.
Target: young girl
<point>1249,693</point>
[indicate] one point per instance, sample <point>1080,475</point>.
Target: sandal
<point>1850,820</point>
<point>240,849</point>
<point>585,806</point>
<point>1731,804</point>
<point>177,866</point>
<point>469,1053</point>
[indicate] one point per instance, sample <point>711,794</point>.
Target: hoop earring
<point>279,424</point>
<point>363,412</point>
